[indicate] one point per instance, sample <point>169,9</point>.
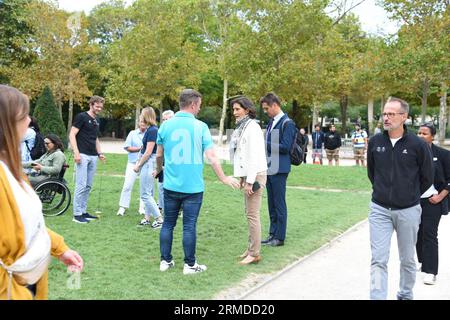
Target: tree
<point>225,32</point>
<point>155,58</point>
<point>47,115</point>
<point>59,39</point>
<point>14,36</point>
<point>423,47</point>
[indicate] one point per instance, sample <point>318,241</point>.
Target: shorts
<point>332,154</point>
<point>359,153</point>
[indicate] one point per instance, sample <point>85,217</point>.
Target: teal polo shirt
<point>184,139</point>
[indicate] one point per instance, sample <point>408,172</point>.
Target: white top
<point>276,119</point>
<point>134,139</point>
<point>28,203</point>
<point>250,156</point>
<point>394,141</point>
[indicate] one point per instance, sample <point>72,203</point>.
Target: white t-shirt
<point>28,203</point>
<point>394,141</point>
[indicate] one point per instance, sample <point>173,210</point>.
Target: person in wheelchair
<point>50,164</point>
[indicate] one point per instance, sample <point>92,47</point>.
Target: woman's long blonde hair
<point>14,107</point>
<point>148,115</point>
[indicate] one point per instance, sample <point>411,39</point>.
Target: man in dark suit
<point>280,134</point>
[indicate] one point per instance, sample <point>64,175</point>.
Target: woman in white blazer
<point>249,163</point>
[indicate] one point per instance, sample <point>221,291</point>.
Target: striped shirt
<point>360,138</point>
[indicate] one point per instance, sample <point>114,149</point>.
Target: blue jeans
<point>146,188</point>
<point>84,172</point>
<point>191,204</point>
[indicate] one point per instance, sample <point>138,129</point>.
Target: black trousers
<point>427,237</point>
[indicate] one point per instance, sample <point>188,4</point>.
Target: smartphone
<point>34,164</point>
<point>256,186</point>
<point>157,176</point>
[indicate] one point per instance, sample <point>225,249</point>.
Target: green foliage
<point>48,117</point>
<point>147,52</point>
<point>14,33</point>
<point>210,115</point>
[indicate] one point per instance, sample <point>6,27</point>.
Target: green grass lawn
<point>122,259</point>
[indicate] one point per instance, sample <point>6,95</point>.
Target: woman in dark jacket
<point>434,203</point>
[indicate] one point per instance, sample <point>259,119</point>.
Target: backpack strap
<point>28,148</point>
<point>284,124</point>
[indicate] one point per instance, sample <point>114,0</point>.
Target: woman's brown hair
<point>14,107</point>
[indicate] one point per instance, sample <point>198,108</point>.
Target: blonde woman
<point>249,161</point>
<point>146,165</point>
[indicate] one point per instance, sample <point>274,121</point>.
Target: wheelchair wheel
<point>55,197</point>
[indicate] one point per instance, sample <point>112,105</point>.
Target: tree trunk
<point>224,111</point>
<point>161,110</point>
<point>59,102</point>
<point>442,110</point>
<point>343,102</point>
<point>370,122</point>
<point>261,113</point>
<point>425,89</point>
<point>382,107</point>
<point>315,115</point>
<point>70,115</point>
<point>137,113</point>
<point>294,110</point>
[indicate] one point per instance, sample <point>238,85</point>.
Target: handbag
<point>30,267</point>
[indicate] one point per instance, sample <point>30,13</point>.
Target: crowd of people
<point>173,156</point>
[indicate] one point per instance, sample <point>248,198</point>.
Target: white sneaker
<point>164,265</point>
<point>429,278</point>
<point>121,211</point>
<point>144,222</point>
<point>157,223</point>
<point>196,268</point>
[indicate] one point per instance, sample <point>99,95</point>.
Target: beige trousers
<point>252,209</point>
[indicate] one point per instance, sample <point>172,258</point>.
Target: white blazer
<point>250,155</point>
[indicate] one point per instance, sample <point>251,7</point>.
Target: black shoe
<point>275,243</point>
<point>269,238</point>
<point>89,217</point>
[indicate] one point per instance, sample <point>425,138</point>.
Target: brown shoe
<point>249,259</point>
<point>242,256</point>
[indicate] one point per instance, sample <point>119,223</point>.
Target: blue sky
<point>373,18</point>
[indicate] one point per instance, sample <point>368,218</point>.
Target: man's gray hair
<point>404,105</point>
<point>189,96</point>
<point>168,113</point>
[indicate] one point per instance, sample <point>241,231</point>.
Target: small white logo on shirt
<point>405,151</point>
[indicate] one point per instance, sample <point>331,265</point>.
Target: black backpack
<point>38,149</point>
<point>298,146</point>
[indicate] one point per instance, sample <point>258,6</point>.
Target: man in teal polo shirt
<point>182,141</point>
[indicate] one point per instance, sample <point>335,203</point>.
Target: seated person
<point>50,164</point>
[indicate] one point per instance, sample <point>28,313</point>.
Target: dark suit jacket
<point>278,144</point>
<point>441,164</point>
